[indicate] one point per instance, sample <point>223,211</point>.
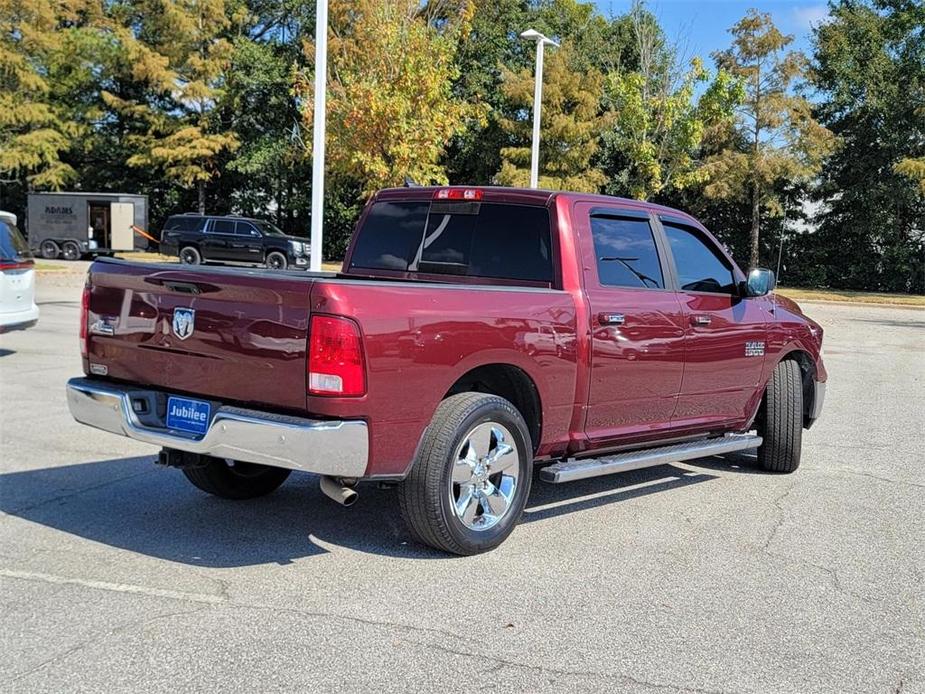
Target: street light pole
<point>541,41</point>
<point>321,78</point>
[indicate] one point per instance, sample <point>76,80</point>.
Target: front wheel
<point>471,479</point>
<point>230,479</point>
<point>781,419</point>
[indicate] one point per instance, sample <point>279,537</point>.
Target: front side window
<point>457,238</point>
<point>268,229</point>
<point>626,253</point>
<point>245,229</point>
<point>700,265</point>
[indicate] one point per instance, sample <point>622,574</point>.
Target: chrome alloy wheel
<point>485,475</point>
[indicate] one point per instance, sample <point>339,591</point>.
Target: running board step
<point>572,469</point>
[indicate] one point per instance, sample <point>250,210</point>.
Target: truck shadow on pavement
<point>131,504</point>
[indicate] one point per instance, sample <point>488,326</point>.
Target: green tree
<point>784,142</point>
<point>391,108</point>
<point>914,167</point>
<point>658,125</point>
<point>869,71</point>
<point>269,169</point>
<point>41,46</point>
<point>180,50</point>
<point>491,45</point>
<point>570,127</point>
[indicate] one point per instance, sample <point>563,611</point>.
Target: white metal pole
<point>537,107</point>
<point>321,79</point>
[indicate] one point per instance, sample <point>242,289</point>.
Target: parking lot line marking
<point>114,587</point>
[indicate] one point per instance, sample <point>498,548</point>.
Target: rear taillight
<point>335,357</point>
<point>84,318</point>
<point>16,264</point>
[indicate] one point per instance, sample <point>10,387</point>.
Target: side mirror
<point>760,281</point>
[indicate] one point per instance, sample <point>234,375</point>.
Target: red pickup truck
<point>472,333</point>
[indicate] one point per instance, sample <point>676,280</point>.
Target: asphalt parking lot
<point>117,575</point>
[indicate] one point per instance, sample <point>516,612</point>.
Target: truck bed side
<point>420,341</point>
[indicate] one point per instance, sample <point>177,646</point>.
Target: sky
<point>701,26</point>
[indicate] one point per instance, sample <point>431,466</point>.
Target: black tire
<point>71,250</point>
<point>189,255</point>
<point>234,480</point>
<point>276,260</point>
<point>781,419</point>
<point>49,249</point>
<point>425,495</point>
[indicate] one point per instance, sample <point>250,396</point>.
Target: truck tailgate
<point>245,342</point>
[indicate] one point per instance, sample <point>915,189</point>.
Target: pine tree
<point>37,43</point>
<point>784,142</point>
<point>570,127</point>
<point>180,50</point>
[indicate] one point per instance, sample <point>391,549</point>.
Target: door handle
<point>700,320</point>
<point>611,318</point>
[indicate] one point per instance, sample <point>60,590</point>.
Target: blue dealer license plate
<point>188,415</point>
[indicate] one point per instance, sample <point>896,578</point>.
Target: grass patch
<point>852,296</point>
<point>43,266</point>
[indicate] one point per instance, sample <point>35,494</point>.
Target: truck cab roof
<point>529,196</point>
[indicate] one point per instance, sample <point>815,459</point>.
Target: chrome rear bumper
<point>336,448</point>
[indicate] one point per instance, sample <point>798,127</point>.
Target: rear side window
<point>184,224</point>
<point>457,238</point>
<point>222,226</point>
<point>626,253</point>
<point>700,266</point>
<point>12,244</point>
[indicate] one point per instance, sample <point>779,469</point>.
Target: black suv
<point>196,238</point>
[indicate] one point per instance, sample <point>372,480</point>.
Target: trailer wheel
<point>71,250</point>
<point>49,249</point>
<point>190,256</point>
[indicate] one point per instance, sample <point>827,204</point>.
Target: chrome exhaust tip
<point>339,492</point>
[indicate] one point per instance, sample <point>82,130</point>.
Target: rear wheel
<point>71,250</point>
<point>190,256</point>
<point>781,419</point>
<point>230,479</point>
<point>276,260</point>
<point>471,479</point>
<point>49,249</point>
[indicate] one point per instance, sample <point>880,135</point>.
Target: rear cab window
<point>478,239</point>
